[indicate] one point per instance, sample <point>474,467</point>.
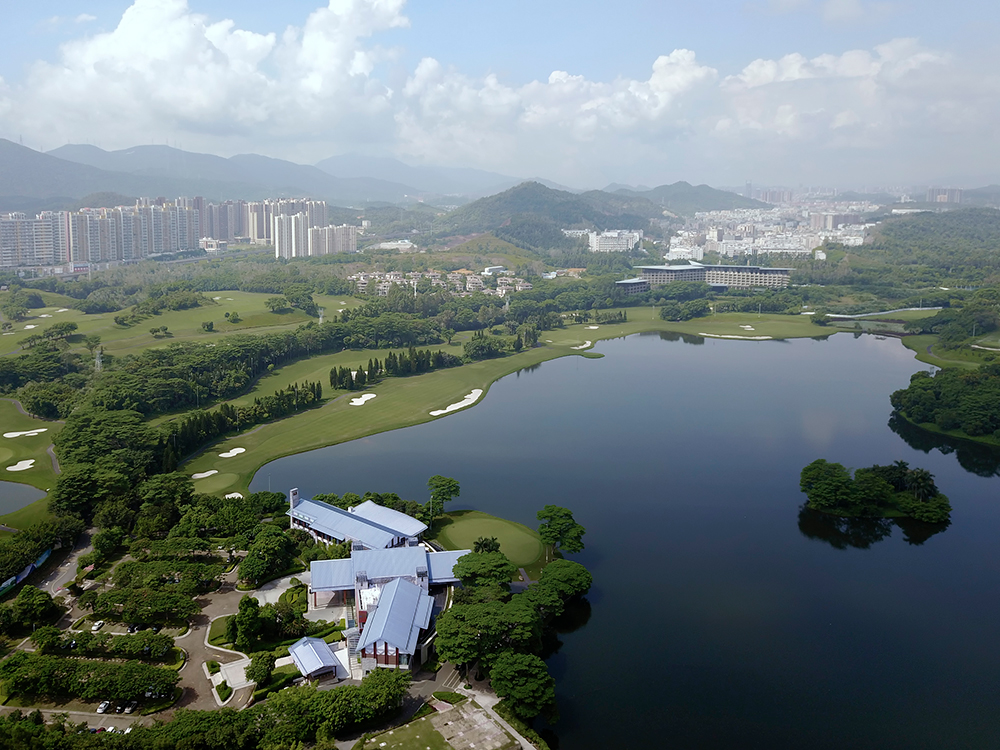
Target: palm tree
<point>486,544</point>
<point>921,483</point>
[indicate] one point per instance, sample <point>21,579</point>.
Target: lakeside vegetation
<point>874,492</point>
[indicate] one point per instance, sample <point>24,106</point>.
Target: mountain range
<point>31,181</point>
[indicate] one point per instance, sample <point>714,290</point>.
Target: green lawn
<point>26,447</point>
<point>183,325</point>
<point>460,530</point>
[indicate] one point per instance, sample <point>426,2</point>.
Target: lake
<point>720,616</point>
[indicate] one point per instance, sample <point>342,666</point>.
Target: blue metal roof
<point>390,519</point>
<point>331,575</point>
<point>312,655</point>
<point>395,562</point>
<point>403,610</point>
<point>341,524</point>
<point>440,564</point>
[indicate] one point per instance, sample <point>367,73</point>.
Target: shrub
<point>448,696</point>
<point>213,667</point>
<point>224,691</point>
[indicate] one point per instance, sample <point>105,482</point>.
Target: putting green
<point>25,447</point>
<point>215,483</point>
<point>461,529</point>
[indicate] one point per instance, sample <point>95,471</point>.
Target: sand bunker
<point>727,336</point>
<point>63,309</point>
<point>467,401</point>
<point>592,328</point>
<point>747,328</point>
<point>28,328</point>
<point>203,474</point>
<point>360,400</point>
<point>584,345</point>
<point>45,315</point>
<point>233,452</point>
<point>234,496</point>
<point>9,334</point>
<point>22,465</point>
<point>216,297</point>
<point>229,298</point>
<point>26,433</point>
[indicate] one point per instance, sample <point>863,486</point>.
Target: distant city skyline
<point>780,92</point>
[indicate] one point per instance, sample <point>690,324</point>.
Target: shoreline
<point>478,375</point>
<point>236,474</point>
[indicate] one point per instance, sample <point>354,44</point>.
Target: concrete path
<point>271,591</point>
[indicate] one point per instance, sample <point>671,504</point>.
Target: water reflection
<point>975,458</point>
<point>862,533</point>
<point>686,338</point>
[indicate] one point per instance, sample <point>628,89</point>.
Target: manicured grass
<point>26,447</point>
<point>460,530</point>
<point>939,357</point>
<point>401,402</point>
<point>217,632</point>
<point>281,677</point>
<point>183,325</point>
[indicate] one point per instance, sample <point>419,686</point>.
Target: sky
<point>847,93</point>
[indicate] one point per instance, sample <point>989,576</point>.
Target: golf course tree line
<point>411,362</point>
<point>506,635</point>
<point>292,718</point>
<point>961,402</point>
<point>875,491</point>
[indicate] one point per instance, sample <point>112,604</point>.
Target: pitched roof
<point>440,564</point>
<point>403,610</point>
<point>331,575</point>
<point>311,655</point>
<point>395,562</point>
<point>340,524</point>
<point>390,519</point>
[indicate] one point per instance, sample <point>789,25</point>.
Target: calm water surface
<point>14,496</point>
<point>720,617</point>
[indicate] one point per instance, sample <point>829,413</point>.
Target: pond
<point>722,616</point>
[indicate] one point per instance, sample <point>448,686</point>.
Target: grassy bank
<point>402,402</point>
<point>26,447</point>
<point>461,529</point>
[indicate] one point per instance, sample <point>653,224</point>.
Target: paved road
<point>66,572</point>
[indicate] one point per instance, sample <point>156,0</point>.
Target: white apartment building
<point>614,241</point>
<point>291,235</point>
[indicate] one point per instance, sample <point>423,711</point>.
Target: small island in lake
<point>877,491</point>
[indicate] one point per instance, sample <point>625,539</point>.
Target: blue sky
<point>844,92</point>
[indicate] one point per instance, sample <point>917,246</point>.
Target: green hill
<point>532,215</point>
<point>685,199</point>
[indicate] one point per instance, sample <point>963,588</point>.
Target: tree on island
<point>559,530</point>
<point>873,491</point>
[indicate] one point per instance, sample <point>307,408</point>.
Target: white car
<point>105,705</point>
<point>97,626</point>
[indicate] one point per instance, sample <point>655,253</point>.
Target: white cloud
<point>318,88</point>
<point>84,18</point>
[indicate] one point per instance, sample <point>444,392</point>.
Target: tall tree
<point>559,530</point>
<point>443,490</point>
<point>524,680</point>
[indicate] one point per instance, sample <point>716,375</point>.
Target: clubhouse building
<point>731,277</point>
<point>392,595</point>
<point>368,524</point>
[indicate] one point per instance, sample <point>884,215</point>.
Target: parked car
<point>97,626</point>
<point>131,707</point>
<point>127,730</point>
<point>157,628</point>
<point>133,628</point>
<point>120,709</point>
<point>72,644</point>
<point>105,705</point>
<point>112,730</point>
